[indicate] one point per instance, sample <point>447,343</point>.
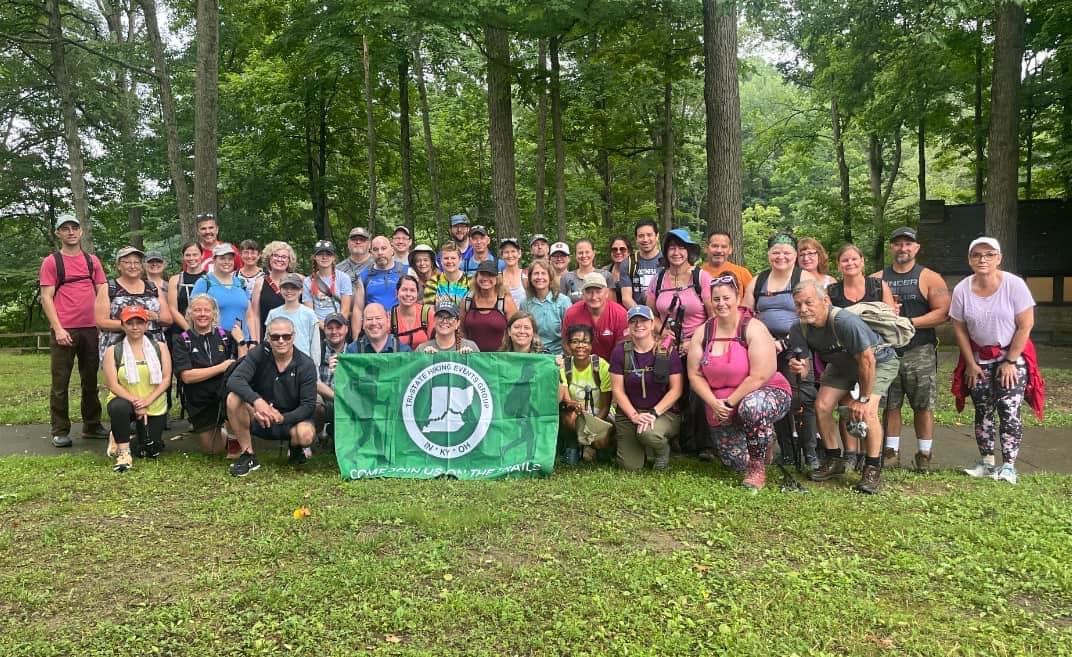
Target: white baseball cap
<point>559,247</point>
<point>989,241</point>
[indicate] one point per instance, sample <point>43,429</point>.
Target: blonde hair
<point>204,296</point>
<point>269,250</point>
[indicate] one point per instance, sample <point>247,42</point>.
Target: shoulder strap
<point>634,265</point>
<point>467,302</point>
<point>659,282</point>
<point>567,367</point>
<point>595,370</point>
<point>742,326</point>
<point>426,316</point>
<point>696,282</point>
<point>61,272</point>
<point>500,305</point>
<point>394,320</point>
<point>118,353</point>
<point>794,279</point>
<point>761,282</point>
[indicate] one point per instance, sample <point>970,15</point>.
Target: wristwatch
<point>1010,361</point>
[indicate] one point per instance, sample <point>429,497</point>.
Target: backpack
<point>894,331</point>
<point>567,366</point>
<point>119,352</point>
<point>709,333</point>
<point>425,315</point>
<point>676,311</point>
<point>760,288</point>
<point>500,305</point>
<point>225,338</point>
<point>61,273</point>
<point>661,369</point>
<point>236,280</point>
<point>695,283</point>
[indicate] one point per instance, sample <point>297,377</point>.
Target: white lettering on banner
<point>465,473</point>
<point>443,414</point>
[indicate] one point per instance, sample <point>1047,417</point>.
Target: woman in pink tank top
<point>734,371</point>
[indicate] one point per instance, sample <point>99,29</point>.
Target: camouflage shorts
<point>917,379</point>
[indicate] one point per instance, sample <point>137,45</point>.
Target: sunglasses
<point>619,249</point>
<point>280,337</point>
<point>725,279</point>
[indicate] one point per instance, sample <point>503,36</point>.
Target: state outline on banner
<point>480,393</point>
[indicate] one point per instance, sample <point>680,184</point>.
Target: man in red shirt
<point>70,281</point>
<point>208,231</point>
<point>606,317</point>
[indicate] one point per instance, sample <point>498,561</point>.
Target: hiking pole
<point>789,482</point>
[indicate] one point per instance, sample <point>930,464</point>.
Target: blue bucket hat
<point>682,235</point>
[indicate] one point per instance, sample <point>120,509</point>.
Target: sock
<point>873,460</point>
<point>988,459</point>
<point>893,442</point>
<point>924,445</point>
<point>833,453</point>
<point>851,456</point>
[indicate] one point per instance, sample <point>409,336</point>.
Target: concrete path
<point>1048,450</point>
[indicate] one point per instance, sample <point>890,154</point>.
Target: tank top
<point>186,287</point>
<point>412,334</point>
<point>775,309</point>
<point>485,326</point>
<point>872,292</point>
<point>269,300</point>
<point>143,388</point>
<point>725,371</point>
<point>905,288</point>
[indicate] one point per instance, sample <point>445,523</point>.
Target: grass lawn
<point>25,383</point>
<point>178,558</point>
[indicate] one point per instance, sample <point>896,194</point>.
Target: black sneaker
<point>297,456</point>
<point>245,464</point>
<point>153,449</point>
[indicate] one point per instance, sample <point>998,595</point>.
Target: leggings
<point>748,436</point>
<point>989,396</point>
<point>805,392</point>
<point>121,413</point>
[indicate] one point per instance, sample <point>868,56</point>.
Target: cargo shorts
<point>917,379</point>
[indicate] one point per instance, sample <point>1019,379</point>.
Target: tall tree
<point>723,108</point>
<point>558,139</point>
<point>501,131</point>
<point>370,134</point>
<point>206,92</point>
<point>429,146</point>
<point>541,133</point>
<point>1003,158</point>
<point>405,147</point>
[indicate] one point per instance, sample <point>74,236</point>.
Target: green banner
<point>474,416</point>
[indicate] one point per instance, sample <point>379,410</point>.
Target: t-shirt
<point>646,269</point>
<point>458,344</point>
<point>624,281</point>
<point>548,313</point>
<point>639,375</point>
<point>440,289</point>
<point>991,320</point>
<point>75,298</point>
<point>843,337</point>
<point>570,283</point>
<point>327,298</point>
<point>306,330</point>
<point>582,380</point>
<point>381,284</point>
<point>233,299</point>
<point>470,263</point>
<point>695,312</point>
<point>207,257</point>
<point>195,352</point>
<point>608,330</point>
<point>744,277</point>
<point>249,280</point>
<point>353,269</point>
<point>364,346</point>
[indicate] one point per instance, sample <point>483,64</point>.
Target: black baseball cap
<point>904,231</point>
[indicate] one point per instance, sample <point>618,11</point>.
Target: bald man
<point>381,278</point>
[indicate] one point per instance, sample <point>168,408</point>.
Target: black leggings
<point>121,413</point>
<point>804,391</point>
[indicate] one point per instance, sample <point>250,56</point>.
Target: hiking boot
<point>869,482</point>
<point>297,456</point>
<point>923,461</point>
<point>828,469</point>
<point>706,456</point>
<point>61,441</point>
<point>123,460</point>
<point>891,458</point>
<point>981,469</point>
<point>662,459</point>
<point>755,475</point>
<point>1007,472</point>
<point>245,464</point>
<point>95,432</point>
<point>588,453</point>
<point>152,449</point>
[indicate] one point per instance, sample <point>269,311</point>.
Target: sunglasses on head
<point>725,279</point>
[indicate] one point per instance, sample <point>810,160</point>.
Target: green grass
<point>177,558</point>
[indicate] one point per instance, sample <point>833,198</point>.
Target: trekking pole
<point>789,482</point>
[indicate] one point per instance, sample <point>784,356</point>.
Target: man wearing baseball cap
<point>459,234</point>
<point>358,245</point>
<point>480,241</point>
<point>921,295</point>
<point>333,346</point>
<point>70,281</point>
<point>539,246</point>
<point>401,241</point>
<point>607,318</point>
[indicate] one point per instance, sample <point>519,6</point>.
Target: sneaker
<point>123,460</point>
<point>869,483</point>
<point>245,464</point>
<point>1007,472</point>
<point>828,469</point>
<point>980,470</point>
<point>891,458</point>
<point>61,441</point>
<point>297,456</point>
<point>96,432</point>
<point>923,461</point>
<point>234,450</point>
<point>152,449</point>
<point>755,475</point>
<point>706,456</point>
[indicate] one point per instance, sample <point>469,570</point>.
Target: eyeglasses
<point>280,337</point>
<point>280,256</point>
<point>989,255</point>
<point>580,341</point>
<point>808,254</point>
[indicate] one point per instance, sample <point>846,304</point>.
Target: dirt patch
<point>661,541</point>
<point>1057,619</point>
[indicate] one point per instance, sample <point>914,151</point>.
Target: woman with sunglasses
<point>621,282</point>
<point>733,370</point>
<point>993,313</point>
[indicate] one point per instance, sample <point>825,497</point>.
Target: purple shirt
<point>991,320</point>
<point>643,366</point>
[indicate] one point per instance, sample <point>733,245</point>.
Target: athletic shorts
<point>206,419</point>
<point>885,373</point>
<point>917,380</point>
<point>274,432</point>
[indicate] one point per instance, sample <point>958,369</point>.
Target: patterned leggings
<point>750,433</point>
<point>988,396</point>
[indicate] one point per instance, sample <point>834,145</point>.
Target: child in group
<point>306,325</point>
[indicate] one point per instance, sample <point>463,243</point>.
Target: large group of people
<point>668,347</point>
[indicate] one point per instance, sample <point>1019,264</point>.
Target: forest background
<point>574,118</point>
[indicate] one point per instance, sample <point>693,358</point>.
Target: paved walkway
<point>1043,449</point>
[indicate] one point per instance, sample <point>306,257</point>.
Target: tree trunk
<point>606,175</point>
<point>370,136</point>
<point>323,224</point>
<point>980,134</point>
<point>668,156</point>
<point>722,102</point>
<point>541,133</point>
<point>880,194</point>
<point>843,172</point>
<point>426,122</point>
<point>130,188</point>
<point>921,150</point>
<point>1003,158</point>
<point>70,124</point>
<point>312,162</point>
<point>171,122</point>
<point>559,140</point>
<point>206,92</point>
<point>405,147</point>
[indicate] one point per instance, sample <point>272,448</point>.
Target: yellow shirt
<point>141,389</point>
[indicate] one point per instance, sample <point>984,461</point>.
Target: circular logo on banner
<point>447,409</point>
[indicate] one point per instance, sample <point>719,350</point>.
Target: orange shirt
<point>744,277</point>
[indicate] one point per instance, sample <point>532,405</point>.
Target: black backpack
<point>760,288</point>
<point>61,273</point>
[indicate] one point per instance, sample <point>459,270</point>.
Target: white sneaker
<point>980,470</point>
<point>1007,472</point>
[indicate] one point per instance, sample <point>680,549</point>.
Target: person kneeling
<point>137,371</point>
<point>646,383</point>
<point>734,370</point>
<point>272,396</point>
